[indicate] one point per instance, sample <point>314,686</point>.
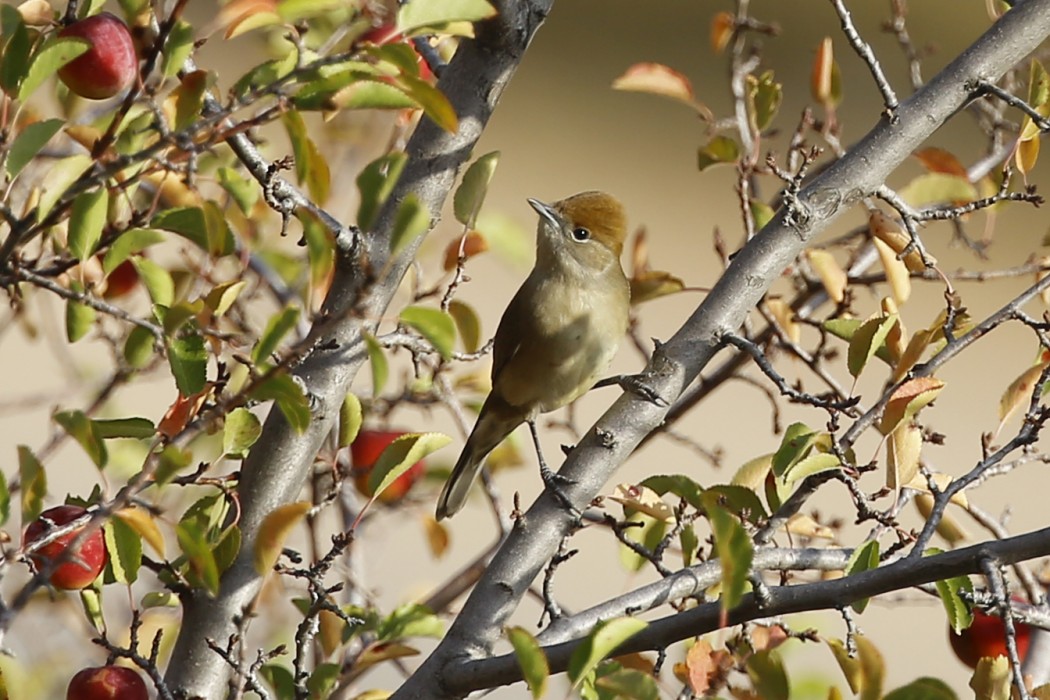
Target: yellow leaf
<point>1019,393</point>
<point>831,274</point>
<point>785,318</point>
<point>274,531</point>
<point>902,455</point>
<point>644,499</point>
<point>891,233</point>
<point>896,271</point>
<point>991,679</point>
<point>139,520</point>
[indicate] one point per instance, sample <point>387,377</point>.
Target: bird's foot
<point>636,384</point>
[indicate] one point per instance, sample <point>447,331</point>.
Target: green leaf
<point>410,620</point>
<point>924,688</point>
<point>266,73</point>
<point>280,679</point>
<point>377,360</point>
<point>60,176</point>
<point>797,442</point>
<point>79,318</point>
<point>91,602</point>
<point>350,418</point>
<point>138,348</point>
<point>82,429</point>
<point>289,397</point>
<point>426,13</point>
<point>814,463</point>
<point>203,569</point>
<point>400,455</point>
<point>467,324</point>
<point>53,54</point>
<point>322,679</point>
<point>766,95</point>
<point>375,183</point>
<point>188,359</point>
<point>222,296</point>
<point>170,462</point>
<point>240,431</point>
<point>689,543</point>
<point>189,97</point>
<point>433,102</point>
<point>139,428</point>
<point>472,189</point>
<point>1038,85</point>
<point>204,226</point>
<point>435,325</point>
<point>864,558</point>
<point>628,684</point>
<point>740,501</point>
<point>158,281</point>
<point>531,659</point>
<point>33,482</point>
<point>29,142</point>
<point>866,340</point>
<point>124,547</point>
<point>5,501</point>
<point>311,168</point>
<point>177,48</point>
<point>761,212</point>
<point>719,150</point>
<point>132,241</point>
<point>16,50</point>
<point>412,221</point>
<point>601,642</point>
<point>276,328</point>
<point>960,615</point>
<point>768,676</point>
<point>243,191</point>
<point>734,549</point>
<point>678,485</point>
<point>87,219</point>
<point>645,530</point>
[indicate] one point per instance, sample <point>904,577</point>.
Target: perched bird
<point>559,332</point>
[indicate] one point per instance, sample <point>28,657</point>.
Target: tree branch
<point>275,470</point>
<point>677,363</point>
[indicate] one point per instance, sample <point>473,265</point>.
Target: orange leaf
<point>785,318</point>
<point>820,76</point>
<point>180,413</point>
<point>656,79</point>
<point>722,26</point>
<point>472,242</point>
<point>938,160</point>
<point>1020,391</point>
<point>908,400</point>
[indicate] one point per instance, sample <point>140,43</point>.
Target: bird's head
<point>588,228</point>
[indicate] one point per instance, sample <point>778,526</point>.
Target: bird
<point>558,334</point>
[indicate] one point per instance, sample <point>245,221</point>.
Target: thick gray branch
<point>365,281</point>
<point>781,600</point>
<point>677,364</point>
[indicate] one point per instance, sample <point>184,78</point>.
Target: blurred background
<point>561,129</point>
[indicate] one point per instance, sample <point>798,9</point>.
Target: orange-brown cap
<point>600,213</point>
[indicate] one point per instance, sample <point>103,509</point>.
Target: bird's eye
<point>580,234</point>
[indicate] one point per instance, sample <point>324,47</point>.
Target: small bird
<point>559,333</point>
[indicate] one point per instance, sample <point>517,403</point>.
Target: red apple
<point>109,66</point>
<point>107,683</point>
<point>121,281</point>
<point>80,567</point>
<point>987,637</point>
<point>365,450</point>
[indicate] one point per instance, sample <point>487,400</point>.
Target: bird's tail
<point>495,422</point>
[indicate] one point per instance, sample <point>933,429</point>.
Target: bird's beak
<point>546,211</point>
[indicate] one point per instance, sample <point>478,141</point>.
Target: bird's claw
<point>554,483</point>
<point>635,383</point>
